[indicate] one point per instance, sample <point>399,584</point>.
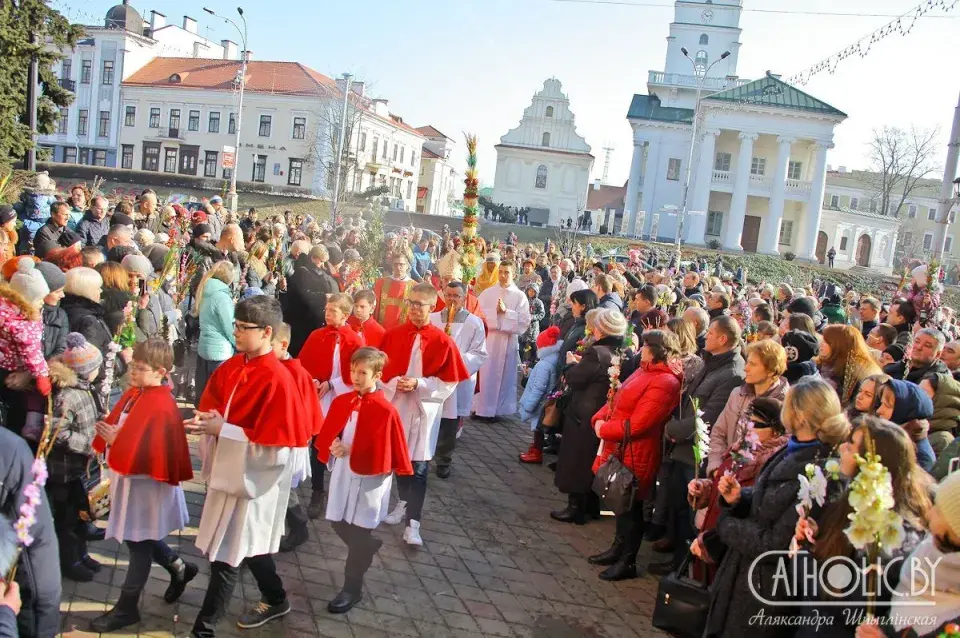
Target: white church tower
<point>544,164</point>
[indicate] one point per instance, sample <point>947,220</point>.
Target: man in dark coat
<point>924,358</point>
<point>722,373</point>
<point>48,236</point>
<point>307,302</point>
<point>869,315</point>
<point>94,226</point>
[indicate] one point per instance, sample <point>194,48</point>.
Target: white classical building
<point>543,164</point>
<point>440,181</point>
<point>759,164</point>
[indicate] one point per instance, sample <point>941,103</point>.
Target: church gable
<point>548,123</point>
<point>773,92</point>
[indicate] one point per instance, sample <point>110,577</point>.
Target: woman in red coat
<point>645,402</point>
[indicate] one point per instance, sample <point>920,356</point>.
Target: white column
<point>770,241</point>
<point>738,205</point>
<point>633,189</point>
<point>852,246</point>
<point>811,222</point>
<point>874,248</point>
<point>700,202</point>
<point>650,176</point>
<point>891,249</point>
<point>837,237</point>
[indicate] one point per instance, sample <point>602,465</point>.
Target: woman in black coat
<point>589,381</point>
<point>81,302</point>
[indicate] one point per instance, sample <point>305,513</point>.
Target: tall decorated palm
<point>471,249</point>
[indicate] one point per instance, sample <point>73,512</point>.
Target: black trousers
<point>630,527</point>
<point>223,580</point>
<point>66,501</point>
<point>142,554</point>
<point>317,471</point>
<point>413,489</point>
<point>446,442</point>
<point>362,546</point>
<point>683,528</point>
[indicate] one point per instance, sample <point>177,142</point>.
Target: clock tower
<point>705,28</point>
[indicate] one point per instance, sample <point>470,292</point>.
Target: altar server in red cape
<point>147,456</point>
<point>326,356</point>
<point>423,370</point>
<point>364,437</point>
<point>249,414</point>
<point>297,518</point>
<point>362,321</point>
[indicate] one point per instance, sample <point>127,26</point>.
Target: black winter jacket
<point>56,325</point>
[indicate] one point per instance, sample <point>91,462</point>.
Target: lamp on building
<point>956,188</point>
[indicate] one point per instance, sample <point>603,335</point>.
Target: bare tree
<point>900,159</point>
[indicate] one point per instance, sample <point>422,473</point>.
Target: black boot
<point>551,443</point>
<point>574,512</point>
<point>181,573</point>
<point>593,506</point>
<point>123,614</point>
<point>624,568</point>
<point>296,537</point>
<point>358,562</point>
<point>609,556</point>
<point>315,509</point>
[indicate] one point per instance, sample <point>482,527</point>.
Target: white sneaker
<point>397,515</point>
<point>411,535</point>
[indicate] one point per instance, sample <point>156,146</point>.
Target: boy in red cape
<point>249,414</point>
<point>297,519</point>
<point>326,357</point>
<point>423,369</point>
<point>362,321</point>
<point>146,449</point>
<point>364,434</point>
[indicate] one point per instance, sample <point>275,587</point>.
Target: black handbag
<point>614,483</point>
<point>682,604</point>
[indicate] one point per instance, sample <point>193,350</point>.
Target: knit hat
<point>534,286</point>
<point>948,501</point>
<point>52,275</point>
<point>351,254</point>
<point>766,412</point>
<point>121,219</point>
<point>611,322</point>
<point>117,253</point>
<point>548,337</point>
<point>895,351</point>
<point>137,264</point>
<point>216,199</point>
<point>199,217</point>
<point>800,345</point>
<point>29,282</point>
<point>202,229</point>
<point>802,306</point>
<point>336,255</point>
<point>7,213</point>
<point>157,254</point>
<point>576,285</point>
<point>80,356</point>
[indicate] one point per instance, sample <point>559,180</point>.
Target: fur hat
<point>800,346</point>
<point>948,501</point>
<point>80,356</point>
<point>29,281</point>
<point>52,275</point>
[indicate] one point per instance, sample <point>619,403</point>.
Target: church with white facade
<point>759,165</point>
<point>543,164</point>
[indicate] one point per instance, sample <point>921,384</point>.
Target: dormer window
<point>704,39</point>
<point>175,78</point>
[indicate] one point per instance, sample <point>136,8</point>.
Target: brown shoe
<point>663,546</point>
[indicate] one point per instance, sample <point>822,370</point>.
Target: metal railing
<point>691,81</point>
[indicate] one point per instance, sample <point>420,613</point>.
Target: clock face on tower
<point>707,16</point>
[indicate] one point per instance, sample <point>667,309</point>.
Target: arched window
<point>549,111</point>
<point>704,39</point>
<point>546,139</point>
<point>701,62</point>
<point>542,176</point>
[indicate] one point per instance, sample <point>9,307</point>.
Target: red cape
<point>379,443</point>
<point>264,400</point>
<point>317,353</point>
<point>310,411</point>
<point>152,441</point>
<point>440,356</point>
<point>370,331</point>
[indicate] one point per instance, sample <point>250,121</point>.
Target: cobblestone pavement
<point>493,563</point>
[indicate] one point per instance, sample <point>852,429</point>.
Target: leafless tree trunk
<point>899,160</point>
<point>324,141</point>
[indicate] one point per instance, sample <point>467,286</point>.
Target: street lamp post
<point>693,139</point>
<point>232,195</point>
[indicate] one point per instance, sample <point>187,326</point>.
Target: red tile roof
<point>606,197</point>
<point>428,154</point>
<point>429,131</point>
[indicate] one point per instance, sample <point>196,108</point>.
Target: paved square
<point>493,563</point>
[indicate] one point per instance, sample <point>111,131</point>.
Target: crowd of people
<point>713,395</point>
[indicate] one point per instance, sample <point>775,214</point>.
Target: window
<point>722,163</point>
<point>701,62</point>
<point>402,150</point>
<point>673,169</point>
<point>927,241</point>
<point>932,214</point>
<point>786,232</point>
<point>704,38</point>
<point>385,145</point>
<point>260,168</point>
<point>70,155</point>
<point>912,211</point>
<point>549,112</point>
<point>265,122</point>
<point>175,119</point>
<point>126,156</point>
<point>714,222</point>
<point>362,144</point>
<point>232,124</point>
<point>210,164</point>
<point>873,205</point>
<point>409,189</point>
<point>948,247</point>
<point>843,243</point>
<point>794,170</point>
<point>82,122</point>
<point>546,140</point>
<point>299,128</point>
<point>104,129</point>
<point>170,160</point>
<point>130,116</point>
<point>154,118</point>
<point>84,156</point>
<point>213,124</point>
<point>106,76</point>
<point>758,166</point>
<point>193,124</point>
<point>86,70</point>
<point>413,158</point>
<point>151,157</point>
<point>953,216</point>
<point>542,176</point>
<point>99,158</point>
<point>295,174</point>
<point>854,203</point>
<point>228,173</point>
<point>376,143</point>
<point>396,151</point>
<point>835,201</point>
<point>66,69</point>
<point>64,121</point>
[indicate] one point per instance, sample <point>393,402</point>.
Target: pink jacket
<point>21,339</point>
<point>726,431</point>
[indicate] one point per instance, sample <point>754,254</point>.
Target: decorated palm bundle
<point>471,250</point>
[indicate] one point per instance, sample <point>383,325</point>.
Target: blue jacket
<point>542,380</point>
<point>216,322</point>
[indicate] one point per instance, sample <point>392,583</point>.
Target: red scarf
<point>439,353</point>
<point>317,353</point>
<point>310,411</point>
<point>151,442</point>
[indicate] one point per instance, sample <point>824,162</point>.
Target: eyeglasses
<point>238,327</point>
<point>418,304</point>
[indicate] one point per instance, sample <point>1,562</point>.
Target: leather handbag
<point>614,483</point>
<point>552,414</point>
<point>682,604</point>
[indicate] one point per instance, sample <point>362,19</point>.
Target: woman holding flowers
<point>589,382</point>
<point>643,403</point>
<point>763,518</point>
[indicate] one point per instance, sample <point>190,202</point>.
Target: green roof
<point>771,91</point>
<point>647,107</point>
